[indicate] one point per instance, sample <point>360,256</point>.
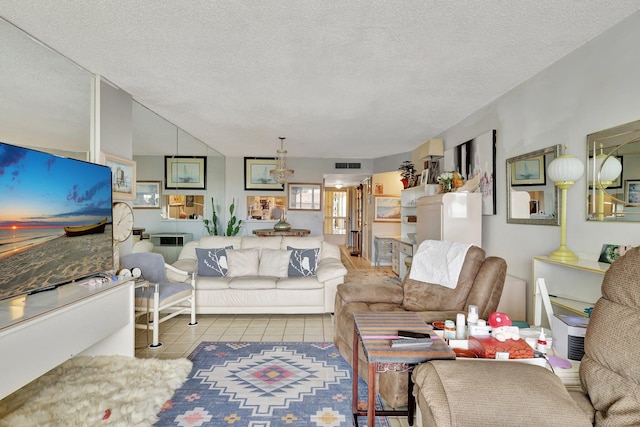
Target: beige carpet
<point>91,391</point>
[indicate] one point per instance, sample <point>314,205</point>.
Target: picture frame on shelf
<point>611,252</point>
<point>529,171</point>
<point>632,191</point>
<point>257,176</point>
<point>147,195</point>
<point>304,196</point>
<point>386,209</point>
<point>123,176</point>
<point>185,173</point>
<point>424,177</point>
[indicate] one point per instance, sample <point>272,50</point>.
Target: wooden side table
<point>374,330</point>
<point>298,232</point>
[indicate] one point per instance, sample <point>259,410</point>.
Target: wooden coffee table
<point>375,330</point>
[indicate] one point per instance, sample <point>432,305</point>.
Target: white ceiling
<point>348,79</point>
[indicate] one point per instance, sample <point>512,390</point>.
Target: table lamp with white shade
<point>564,170</point>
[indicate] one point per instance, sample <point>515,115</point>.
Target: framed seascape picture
<point>123,177</point>
<point>529,171</point>
<point>632,190</point>
<point>386,209</point>
<point>185,173</point>
<point>304,197</point>
<point>257,176</point>
<point>147,195</point>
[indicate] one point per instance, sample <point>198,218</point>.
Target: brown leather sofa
<point>480,283</point>
<point>484,393</point>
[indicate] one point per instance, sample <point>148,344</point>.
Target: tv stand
<point>39,332</point>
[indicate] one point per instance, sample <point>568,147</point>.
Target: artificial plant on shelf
<point>233,226</point>
<point>407,172</point>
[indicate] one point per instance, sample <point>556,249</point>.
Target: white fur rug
<point>101,390</point>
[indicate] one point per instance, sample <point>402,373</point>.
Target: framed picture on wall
<point>185,172</point>
<point>257,176</point>
<point>147,195</point>
<point>123,176</point>
<point>632,190</point>
<point>386,209</point>
<point>529,171</point>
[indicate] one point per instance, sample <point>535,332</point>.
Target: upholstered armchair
<point>480,283</point>
<point>486,393</point>
<point>162,296</point>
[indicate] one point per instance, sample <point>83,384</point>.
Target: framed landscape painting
<point>147,195</point>
<point>386,209</point>
<point>123,177</point>
<point>257,176</point>
<point>185,172</point>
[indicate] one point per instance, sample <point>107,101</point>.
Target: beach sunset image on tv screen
<point>55,220</point>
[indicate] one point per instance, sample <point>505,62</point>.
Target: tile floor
<point>179,339</point>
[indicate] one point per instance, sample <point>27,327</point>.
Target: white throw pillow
<point>274,262</point>
<point>243,262</point>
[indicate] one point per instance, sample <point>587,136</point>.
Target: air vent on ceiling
<point>348,166</point>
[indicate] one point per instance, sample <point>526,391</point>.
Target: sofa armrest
<point>494,394</point>
<point>181,270</point>
<point>371,293</point>
<point>330,268</point>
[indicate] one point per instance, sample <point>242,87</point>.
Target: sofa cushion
<point>253,282</point>
<point>243,262</point>
<point>212,261</point>
<point>270,242</point>
<point>212,283</point>
<point>303,262</point>
<point>299,283</point>
<point>308,242</point>
<point>274,262</point>
<point>220,241</point>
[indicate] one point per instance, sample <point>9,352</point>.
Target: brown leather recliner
<point>486,393</point>
<point>480,283</point>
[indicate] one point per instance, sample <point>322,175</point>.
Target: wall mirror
<point>46,99</point>
<point>613,174</point>
<point>532,198</point>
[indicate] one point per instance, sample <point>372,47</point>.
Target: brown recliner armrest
<point>371,293</point>
<point>490,393</point>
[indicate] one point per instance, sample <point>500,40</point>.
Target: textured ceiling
<point>349,79</point>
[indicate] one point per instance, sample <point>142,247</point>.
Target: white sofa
<point>267,287</point>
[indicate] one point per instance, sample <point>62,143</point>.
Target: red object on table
<point>487,347</point>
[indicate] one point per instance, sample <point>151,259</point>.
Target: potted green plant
<point>407,172</point>
<point>233,225</point>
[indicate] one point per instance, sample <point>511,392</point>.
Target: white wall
<point>593,88</point>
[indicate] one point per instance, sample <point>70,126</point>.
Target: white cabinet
<point>573,286</point>
<point>454,217</point>
<point>170,244</point>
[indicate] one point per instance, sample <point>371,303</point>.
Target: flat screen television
<point>55,220</point>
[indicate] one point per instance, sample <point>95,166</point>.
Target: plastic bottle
<point>542,342</point>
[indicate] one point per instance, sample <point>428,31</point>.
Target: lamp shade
<point>566,168</point>
<point>431,148</point>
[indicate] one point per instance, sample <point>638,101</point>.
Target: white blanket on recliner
<point>439,262</point>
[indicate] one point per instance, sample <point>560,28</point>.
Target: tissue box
<point>487,347</point>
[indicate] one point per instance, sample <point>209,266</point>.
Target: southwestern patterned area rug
<point>265,385</point>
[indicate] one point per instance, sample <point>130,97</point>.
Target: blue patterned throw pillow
<point>212,262</point>
<point>303,262</point>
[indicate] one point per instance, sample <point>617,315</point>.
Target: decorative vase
<point>282,225</point>
<point>405,182</point>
